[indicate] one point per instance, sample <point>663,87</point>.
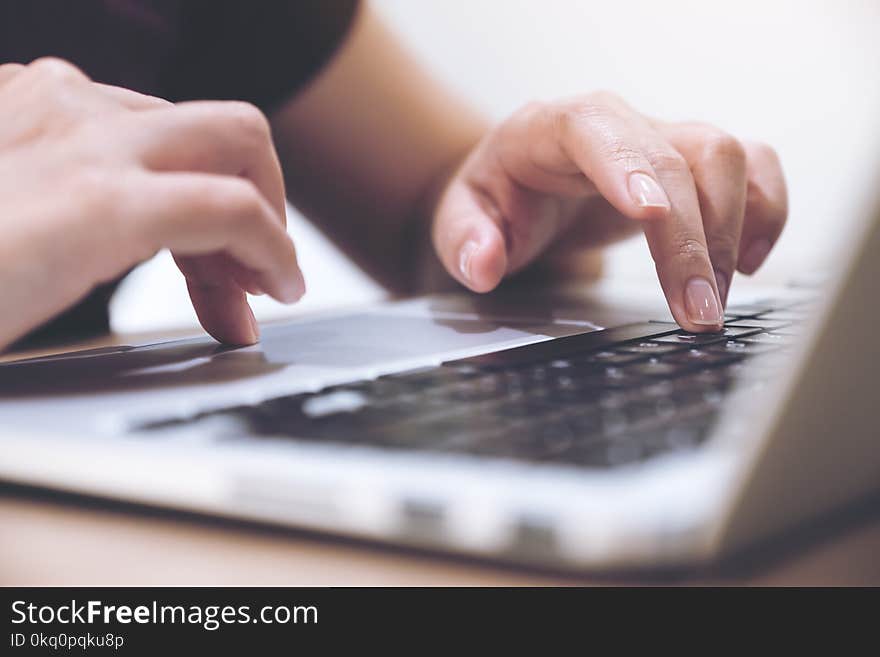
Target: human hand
<point>95,179</point>
<point>586,171</point>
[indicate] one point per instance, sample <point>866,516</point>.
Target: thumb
<point>469,238</point>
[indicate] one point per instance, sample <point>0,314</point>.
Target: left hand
<point>590,170</point>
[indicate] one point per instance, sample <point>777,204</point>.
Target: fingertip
<point>254,335</point>
<point>241,334</point>
<point>703,310</point>
<point>482,263</point>
<point>289,289</point>
<point>224,313</point>
<point>689,324</point>
<point>691,327</point>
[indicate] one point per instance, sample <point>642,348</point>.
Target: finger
<point>246,278</point>
<point>206,215</point>
<point>219,301</point>
<point>718,165</point>
<point>564,151</point>
<point>766,206</point>
<point>56,69</point>
<point>678,245</point>
<point>642,176</point>
<point>597,140</point>
<point>230,138</point>
<point>468,237</point>
<point>131,99</point>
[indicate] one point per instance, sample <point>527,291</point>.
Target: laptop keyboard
<point>599,400</point>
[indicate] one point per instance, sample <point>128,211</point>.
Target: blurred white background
<point>801,75</point>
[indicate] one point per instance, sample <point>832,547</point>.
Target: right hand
<point>95,179</point>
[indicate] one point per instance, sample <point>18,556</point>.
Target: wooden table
<point>55,539</point>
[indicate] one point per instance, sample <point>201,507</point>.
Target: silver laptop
<point>549,427</point>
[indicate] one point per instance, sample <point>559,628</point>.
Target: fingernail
<point>647,192</point>
<point>701,303</point>
<point>755,255</point>
<point>256,290</point>
<point>465,257</point>
<point>293,289</point>
<point>721,280</point>
<point>255,328</point>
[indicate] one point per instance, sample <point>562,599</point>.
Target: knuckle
<point>521,118</point>
<point>57,69</point>
<point>584,108</point>
<point>624,154</point>
<point>690,251</point>
<point>569,117</point>
<point>669,160</point>
<point>602,98</point>
<point>718,145</point>
<point>531,108</point>
<point>248,121</point>
<point>764,153</point>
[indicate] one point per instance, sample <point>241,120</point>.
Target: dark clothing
<point>261,51</point>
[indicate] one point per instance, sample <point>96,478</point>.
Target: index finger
<point>230,138</point>
<point>613,146</point>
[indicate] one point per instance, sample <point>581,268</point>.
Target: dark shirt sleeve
<point>261,51</point>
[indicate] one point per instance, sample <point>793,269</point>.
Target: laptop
<point>561,428</point>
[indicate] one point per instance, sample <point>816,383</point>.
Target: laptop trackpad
<point>368,338</point>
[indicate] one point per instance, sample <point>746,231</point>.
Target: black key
<point>791,315</point>
<point>435,432</point>
<point>742,347</point>
<point>648,348</point>
<point>700,358</point>
<point>610,357</point>
<point>683,435</point>
<point>769,338</point>
<point>654,367</point>
<point>551,438</point>
<point>657,390</point>
<point>758,322</point>
<point>613,377</point>
<point>476,389</point>
<point>430,376</point>
<point>524,408</point>
<point>586,424</point>
<point>748,310</point>
<point>692,389</point>
<point>563,347</point>
<point>642,410</point>
<point>727,333</point>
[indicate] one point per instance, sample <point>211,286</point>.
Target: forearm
<point>367,147</point>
